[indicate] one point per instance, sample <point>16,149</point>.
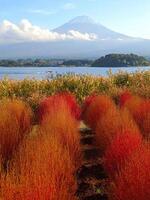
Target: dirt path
<point>92,180</point>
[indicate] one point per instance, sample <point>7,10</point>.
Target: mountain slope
<point>85,24</point>
<point>107,41</point>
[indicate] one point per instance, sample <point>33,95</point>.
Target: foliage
<point>121,60</point>
<point>60,123</point>
<point>81,86</point>
<point>41,169</point>
<point>133,183</point>
<point>107,127</point>
<point>97,108</point>
<point>44,164</point>
<point>124,97</point>
<point>140,110</point>
<point>120,150</point>
<point>51,104</point>
<point>15,122</point>
<point>112,122</point>
<point>86,103</point>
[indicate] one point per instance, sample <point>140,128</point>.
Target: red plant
<point>97,108</point>
<point>107,128</point>
<point>140,110</point>
<point>51,103</point>
<point>64,126</point>
<point>133,182</point>
<point>41,170</point>
<point>88,100</point>
<point>127,121</point>
<point>21,112</point>
<point>15,121</point>
<point>120,150</point>
<point>71,102</point>
<point>142,117</point>
<point>111,123</point>
<point>124,97</point>
<point>44,107</point>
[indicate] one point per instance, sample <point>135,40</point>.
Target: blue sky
<point>131,17</point>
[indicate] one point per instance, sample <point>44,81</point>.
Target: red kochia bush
<point>21,112</point>
<point>120,150</point>
<point>88,100</point>
<point>107,128</point>
<point>142,117</point>
<point>51,103</point>
<point>140,110</point>
<point>71,102</point>
<point>97,108</point>
<point>40,170</point>
<point>114,121</point>
<point>64,126</point>
<point>44,107</point>
<point>133,183</point>
<point>124,97</point>
<point>15,122</point>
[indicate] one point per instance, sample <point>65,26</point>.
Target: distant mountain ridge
<point>106,42</point>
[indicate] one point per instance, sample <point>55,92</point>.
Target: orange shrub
<point>15,121</point>
<point>88,100</point>
<point>40,170</point>
<point>133,183</point>
<point>71,102</point>
<point>97,108</point>
<point>133,103</point>
<point>146,126</point>
<point>111,123</point>
<point>127,121</point>
<point>51,103</point>
<point>64,126</point>
<point>107,128</point>
<point>21,112</point>
<point>120,150</point>
<point>140,110</point>
<point>124,97</point>
<point>142,117</point>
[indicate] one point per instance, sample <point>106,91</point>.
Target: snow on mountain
<point>85,24</point>
<point>85,39</point>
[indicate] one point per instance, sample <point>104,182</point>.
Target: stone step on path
<point>92,180</point>
<point>87,139</point>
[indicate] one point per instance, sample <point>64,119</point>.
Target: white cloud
<point>81,36</point>
<point>25,31</point>
<point>69,6</point>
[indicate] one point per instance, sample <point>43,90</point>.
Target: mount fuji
<point>85,24</point>
<point>102,41</point>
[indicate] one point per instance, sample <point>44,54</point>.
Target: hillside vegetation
<point>121,60</point>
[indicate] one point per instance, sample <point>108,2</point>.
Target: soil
<point>92,179</point>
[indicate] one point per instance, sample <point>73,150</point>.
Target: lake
<point>44,72</point>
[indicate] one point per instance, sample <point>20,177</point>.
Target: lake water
<point>44,72</point>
